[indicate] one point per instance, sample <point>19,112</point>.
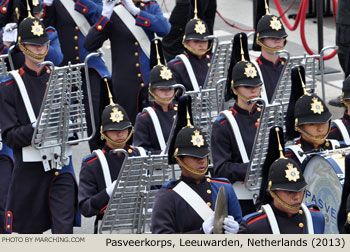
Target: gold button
<point>175,108</point>
<point>209,204</point>
<point>99,27</point>
<point>142,4</point>
<point>48,71</point>
<point>57,173</point>
<point>174,116</point>
<point>282,63</point>
<point>77,58</point>
<point>207,56</point>
<point>142,84</point>
<point>139,75</point>
<point>208,179</point>
<point>8,215</point>
<point>136,54</point>
<point>130,150</point>
<point>77,28</point>
<point>208,191</point>
<point>136,43</point>
<point>300,211</point>
<point>4,9</point>
<point>260,211</point>
<point>208,64</point>
<point>258,109</point>
<point>301,225</point>
<point>258,120</point>
<point>8,226</point>
<point>137,64</point>
<point>146,22</point>
<point>104,211</point>
<point>84,10</point>
<point>47,83</point>
<point>327,143</point>
<point>76,48</point>
<point>299,145</point>
<point>75,37</point>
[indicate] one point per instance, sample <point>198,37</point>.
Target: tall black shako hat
<point>303,108</point>
<point>279,172</point>
<point>241,71</point>
<point>187,140</point>
<point>345,90</point>
<point>267,26</point>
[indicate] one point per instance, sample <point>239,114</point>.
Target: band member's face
<point>275,43</point>
<point>117,135</point>
<point>164,93</point>
<point>291,198</point>
<point>317,130</point>
<point>198,164</point>
<point>198,45</point>
<point>36,49</point>
<point>249,92</point>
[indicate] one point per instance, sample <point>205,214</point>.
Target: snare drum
<point>324,178</point>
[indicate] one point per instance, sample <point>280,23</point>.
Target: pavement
<point>240,13</point>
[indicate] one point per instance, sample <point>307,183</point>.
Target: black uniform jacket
<point>225,151</point>
<point>145,133</point>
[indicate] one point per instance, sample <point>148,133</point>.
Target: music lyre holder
<point>62,114</point>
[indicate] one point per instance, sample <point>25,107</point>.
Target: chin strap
<point>270,48</point>
<point>33,55</point>
<point>114,143</point>
<point>286,205</point>
<point>197,52</point>
<point>189,169</point>
<point>167,101</point>
<point>246,99</point>
<point>301,131</point>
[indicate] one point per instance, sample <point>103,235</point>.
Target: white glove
<point>110,188</point>
<point>34,124</point>
<point>130,6</point>
<point>107,8</point>
<point>48,2</point>
<point>10,33</point>
<point>230,225</point>
<point>208,225</point>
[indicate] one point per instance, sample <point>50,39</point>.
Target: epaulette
<point>175,61</point>
<point>132,150</point>
<point>170,184</point>
<point>89,158</point>
<point>143,114</point>
<point>333,128</point>
<point>312,207</point>
<point>221,119</point>
<point>253,217</point>
<point>8,80</point>
<point>219,180</point>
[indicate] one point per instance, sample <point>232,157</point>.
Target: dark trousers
<point>6,166</point>
<point>63,204</point>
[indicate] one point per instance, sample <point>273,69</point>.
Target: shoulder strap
<point>78,18</point>
<point>105,168</point>
<point>24,94</point>
<point>335,143</point>
<point>296,149</point>
<point>157,127</point>
<point>309,223</point>
<point>345,134</point>
<point>263,91</point>
<point>237,134</point>
<point>193,199</point>
<point>190,72</point>
<point>137,31</point>
<point>141,151</point>
<point>272,218</point>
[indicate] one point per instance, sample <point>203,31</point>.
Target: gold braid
<point>301,131</point>
<point>114,143</point>
<point>159,98</point>
<point>185,166</point>
<point>197,52</point>
<point>33,55</point>
<point>286,205</point>
<point>270,48</point>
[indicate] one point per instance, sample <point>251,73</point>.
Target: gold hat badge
<point>316,106</point>
<point>275,24</point>
<point>250,71</point>
<point>165,73</point>
<point>37,29</point>
<point>35,2</point>
<point>116,115</point>
<point>197,139</point>
<point>292,173</point>
<point>200,27</point>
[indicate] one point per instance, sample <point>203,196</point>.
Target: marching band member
<point>100,170</point>
<point>37,200</point>
<point>130,26</point>
<point>234,131</point>
<point>175,209</point>
<point>282,211</point>
<point>190,69</point>
<point>153,125</point>
<point>308,118</point>
<point>72,20</point>
<point>271,37</point>
<point>341,127</point>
